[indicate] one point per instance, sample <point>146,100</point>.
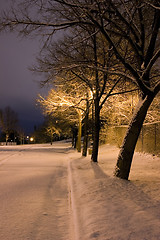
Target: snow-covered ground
<point>54,189</point>
<point>108,208</point>
<point>34,199</point>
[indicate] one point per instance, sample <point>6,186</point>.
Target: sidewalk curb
<point>75,220</point>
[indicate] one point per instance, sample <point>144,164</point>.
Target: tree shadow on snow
<point>126,190</point>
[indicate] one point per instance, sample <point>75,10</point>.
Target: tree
<point>21,136</point>
<point>61,100</point>
<point>52,129</point>
<point>8,122</point>
<point>153,112</point>
<point>136,48</point>
<point>120,109</point>
<point>81,62</point>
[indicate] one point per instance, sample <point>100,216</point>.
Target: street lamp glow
<point>31,139</point>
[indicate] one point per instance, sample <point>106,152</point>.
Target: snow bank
<point>108,208</point>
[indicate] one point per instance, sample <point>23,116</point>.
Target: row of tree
<point>9,126</point>
<point>54,128</point>
<point>104,48</point>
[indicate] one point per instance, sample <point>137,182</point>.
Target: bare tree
<point>134,39</point>
<point>84,59</point>
<point>69,104</point>
<point>8,121</point>
<point>52,129</point>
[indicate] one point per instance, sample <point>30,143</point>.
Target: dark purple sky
<point>19,87</point>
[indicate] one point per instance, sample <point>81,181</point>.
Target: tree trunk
<point>85,140</point>
<point>127,149</point>
<point>7,137</point>
<point>96,132</point>
<point>75,141</point>
<point>51,138</point>
<point>72,139</point>
<point>79,134</point>
<point>74,136</point>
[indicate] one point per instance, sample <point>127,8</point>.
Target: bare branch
<point>152,5</point>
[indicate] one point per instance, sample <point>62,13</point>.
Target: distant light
<point>31,139</point>
<point>27,137</point>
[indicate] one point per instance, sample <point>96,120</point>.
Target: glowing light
<point>91,93</point>
<point>31,139</point>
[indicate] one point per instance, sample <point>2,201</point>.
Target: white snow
<point>101,206</point>
<point>109,208</point>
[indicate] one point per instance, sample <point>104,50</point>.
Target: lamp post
<point>27,139</point>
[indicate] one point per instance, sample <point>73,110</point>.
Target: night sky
<point>19,86</point>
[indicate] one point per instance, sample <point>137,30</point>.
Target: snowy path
<point>34,199</point>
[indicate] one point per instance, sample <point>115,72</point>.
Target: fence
<point>149,139</point>
<point>8,143</point>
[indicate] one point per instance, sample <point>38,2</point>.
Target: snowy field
<point>109,208</point>
<point>63,196</point>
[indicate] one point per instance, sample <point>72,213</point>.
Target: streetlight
<point>27,139</point>
<point>31,139</point>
